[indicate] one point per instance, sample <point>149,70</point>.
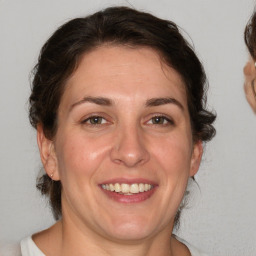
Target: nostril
<point>129,152</point>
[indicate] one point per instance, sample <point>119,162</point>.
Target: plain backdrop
<point>221,215</point>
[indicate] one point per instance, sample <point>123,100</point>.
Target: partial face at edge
<point>124,120</point>
<point>250,76</point>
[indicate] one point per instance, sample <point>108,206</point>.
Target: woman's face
<point>250,76</point>
<point>123,149</point>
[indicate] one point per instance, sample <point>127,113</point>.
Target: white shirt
<point>29,248</point>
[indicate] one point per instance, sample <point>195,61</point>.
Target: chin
<point>131,229</point>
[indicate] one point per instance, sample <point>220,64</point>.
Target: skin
<point>250,75</point>
<point>127,144</point>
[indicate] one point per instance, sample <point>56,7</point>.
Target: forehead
<point>109,69</point>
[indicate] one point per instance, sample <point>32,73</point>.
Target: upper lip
<point>129,181</point>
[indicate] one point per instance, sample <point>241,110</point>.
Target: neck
<point>85,242</point>
<point>62,240</point>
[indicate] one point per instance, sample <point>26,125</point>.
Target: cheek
<point>175,154</point>
<point>174,159</point>
<point>173,163</point>
<point>80,156</point>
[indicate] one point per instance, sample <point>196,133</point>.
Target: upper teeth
<point>127,188</point>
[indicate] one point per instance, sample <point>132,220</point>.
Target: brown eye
<point>94,120</point>
<point>159,120</point>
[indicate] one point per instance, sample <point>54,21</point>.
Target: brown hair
<point>60,56</point>
<point>250,35</point>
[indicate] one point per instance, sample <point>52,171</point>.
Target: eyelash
<point>92,120</point>
<point>166,120</point>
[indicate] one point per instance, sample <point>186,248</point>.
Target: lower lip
<point>128,199</point>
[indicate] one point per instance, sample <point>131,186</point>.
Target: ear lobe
<point>47,154</point>
<point>196,157</point>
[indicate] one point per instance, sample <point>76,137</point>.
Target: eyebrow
<point>163,101</point>
<point>96,100</point>
<point>107,102</point>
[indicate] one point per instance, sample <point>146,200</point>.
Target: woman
<point>249,69</point>
<point>118,101</point>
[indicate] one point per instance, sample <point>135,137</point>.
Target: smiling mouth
<point>128,189</point>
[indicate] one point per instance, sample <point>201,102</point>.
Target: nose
<point>130,147</point>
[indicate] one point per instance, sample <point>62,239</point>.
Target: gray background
<point>221,216</point>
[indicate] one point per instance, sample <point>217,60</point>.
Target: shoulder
<point>194,251</point>
<point>10,249</point>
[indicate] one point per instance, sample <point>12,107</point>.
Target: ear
<point>249,69</point>
<point>249,77</point>
<point>196,157</point>
<point>47,154</point>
